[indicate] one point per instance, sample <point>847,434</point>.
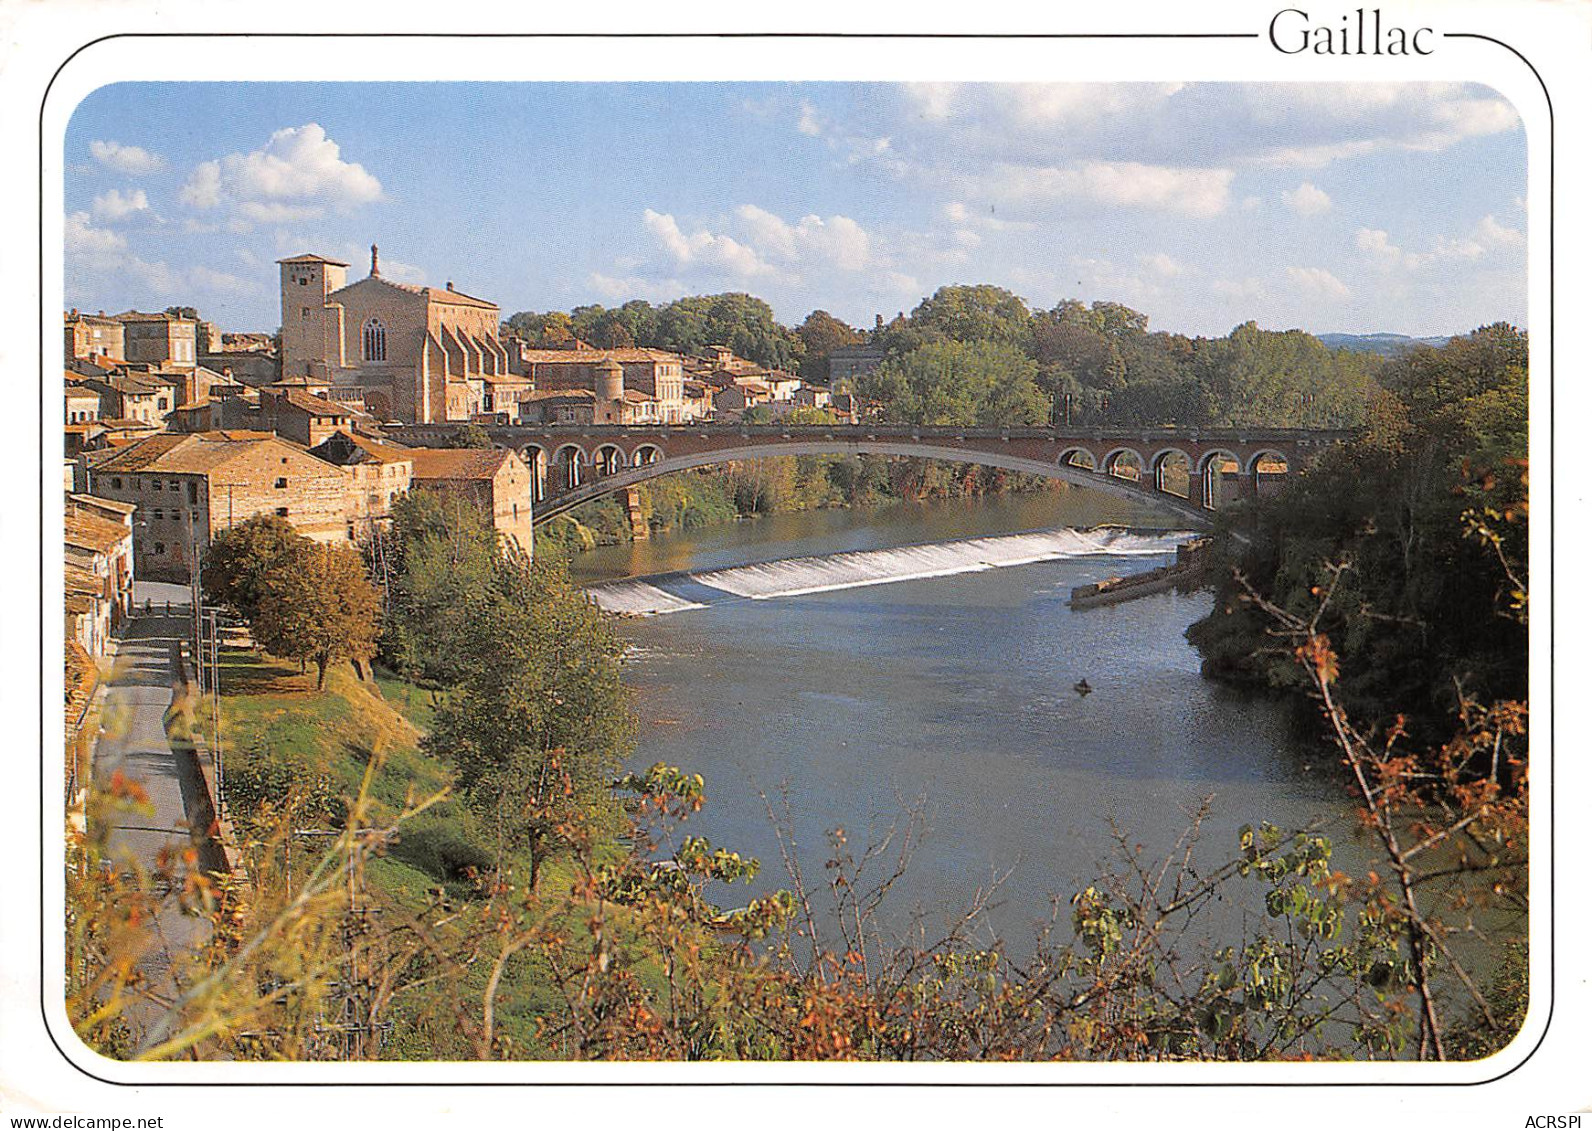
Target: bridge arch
<point>1213,465</point>
<point>1124,463</point>
<point>749,449</point>
<point>568,463</point>
<point>646,454</point>
<point>535,457</point>
<point>1172,471</point>
<point>609,459</point>
<point>1078,457</point>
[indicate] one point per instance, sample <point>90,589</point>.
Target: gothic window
<point>375,341</point>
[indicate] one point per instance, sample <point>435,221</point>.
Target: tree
<point>439,556</point>
<point>242,560</point>
<point>322,610</point>
<point>986,384</point>
<point>538,725</point>
<point>981,313</point>
<point>821,332</point>
<point>470,436</point>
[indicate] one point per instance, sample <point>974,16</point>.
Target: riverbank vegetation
<point>493,886</point>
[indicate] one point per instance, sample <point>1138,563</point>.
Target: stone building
<point>82,403</point>
<point>653,374</point>
<point>189,487</point>
<point>165,340</point>
<point>94,335</point>
<point>495,480</point>
<point>417,354</point>
<point>129,397</point>
<point>850,362</point>
<point>378,473</point>
<point>98,569</point>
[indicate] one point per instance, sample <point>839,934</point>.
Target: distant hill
<point>1388,345</point>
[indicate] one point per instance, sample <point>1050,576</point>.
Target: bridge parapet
<point>1190,471</point>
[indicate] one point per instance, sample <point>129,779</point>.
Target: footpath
<point>134,740</point>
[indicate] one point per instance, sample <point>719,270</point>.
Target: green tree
<point>439,558</point>
<point>538,726</point>
<point>821,332</point>
<point>243,559</point>
<point>980,313</point>
<point>983,383</point>
<point>322,610</point>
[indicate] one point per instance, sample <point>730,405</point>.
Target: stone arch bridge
<point>1191,472</point>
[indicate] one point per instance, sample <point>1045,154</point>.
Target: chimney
<point>373,265</point>
<point>450,284</point>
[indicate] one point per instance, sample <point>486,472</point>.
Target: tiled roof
<point>83,428</point>
<point>593,356</point>
<point>559,394</point>
<point>457,463</point>
<point>95,503</point>
<point>86,531</point>
<point>430,294</point>
<point>315,406</point>
<point>197,453</point>
<point>141,316</point>
<point>366,449</point>
<point>307,258</point>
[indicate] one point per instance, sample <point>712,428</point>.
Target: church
<point>417,354</point>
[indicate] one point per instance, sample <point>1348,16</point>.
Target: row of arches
<point>569,465</point>
<point>1216,476</point>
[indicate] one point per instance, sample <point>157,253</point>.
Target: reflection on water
<point>958,689</point>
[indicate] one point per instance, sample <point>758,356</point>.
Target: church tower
<point>306,281</point>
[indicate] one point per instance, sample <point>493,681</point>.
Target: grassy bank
<point>282,739</point>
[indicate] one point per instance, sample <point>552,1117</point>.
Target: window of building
<point>281,481</point>
<point>304,313</point>
<point>159,515</point>
<point>116,482</point>
<point>193,492</point>
<point>156,484</point>
<point>282,511</point>
<point>160,549</point>
<point>303,282</point>
<point>375,341</point>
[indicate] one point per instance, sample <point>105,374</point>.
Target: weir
<point>792,577</point>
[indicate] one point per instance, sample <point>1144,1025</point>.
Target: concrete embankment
<point>1190,571</point>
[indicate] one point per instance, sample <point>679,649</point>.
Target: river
<point>790,671</point>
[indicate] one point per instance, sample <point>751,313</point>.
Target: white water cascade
<point>791,577</point>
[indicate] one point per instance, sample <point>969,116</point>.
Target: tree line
<point>978,354</point>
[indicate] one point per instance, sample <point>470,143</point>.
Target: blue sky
<point>1354,207</point>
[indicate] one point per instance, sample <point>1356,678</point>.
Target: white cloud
<point>933,100</point>
<point>1318,283</point>
<point>808,122</point>
<point>112,205</point>
<point>839,241</point>
<point>1164,265</point>
<point>129,159</point>
<point>1486,238</point>
<point>203,189</point>
<point>300,165</point>
<point>703,247</point>
<point>1493,234</point>
<point>1308,200</point>
<point>1377,243</point>
<point>1188,191</point>
<point>83,237</point>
